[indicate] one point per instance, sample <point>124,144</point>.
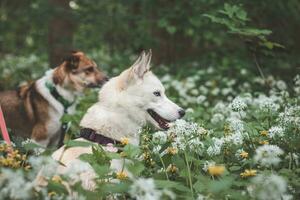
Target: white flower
<point>45,165</point>
<point>276,131</point>
<point>217,118</point>
<point>220,107</point>
<point>238,104</point>
<point>281,85</point>
<point>215,148</point>
<point>208,164</point>
<point>179,142</point>
<point>202,131</point>
<point>267,155</point>
<point>215,91</point>
<point>266,104</point>
<point>189,110</point>
<point>184,128</point>
<point>156,149</point>
<point>14,186</point>
<point>195,145</point>
<point>236,125</point>
<point>272,187</point>
<point>159,137</point>
<point>144,189</point>
<point>236,138</point>
<point>201,99</point>
<point>226,91</point>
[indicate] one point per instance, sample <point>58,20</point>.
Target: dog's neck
<point>63,91</point>
<point>113,123</point>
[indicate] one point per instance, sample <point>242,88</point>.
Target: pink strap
<point>3,128</point>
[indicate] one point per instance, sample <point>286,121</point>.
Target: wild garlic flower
<point>144,189</point>
<point>271,187</point>
<point>266,104</point>
<point>215,148</point>
<point>14,185</point>
<point>268,155</point>
<point>217,118</point>
<point>238,104</point>
<point>159,137</point>
<point>276,131</point>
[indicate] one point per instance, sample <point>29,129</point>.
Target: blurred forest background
<point>262,37</point>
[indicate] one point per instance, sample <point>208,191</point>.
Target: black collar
<point>66,104</point>
<point>93,136</point>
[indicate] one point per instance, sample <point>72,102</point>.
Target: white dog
<point>126,103</point>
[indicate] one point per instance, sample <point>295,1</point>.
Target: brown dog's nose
<point>181,113</point>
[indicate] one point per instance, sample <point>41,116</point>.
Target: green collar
<point>66,104</point>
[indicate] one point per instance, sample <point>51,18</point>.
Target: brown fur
<point>26,111</point>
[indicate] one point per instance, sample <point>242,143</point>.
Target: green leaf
<point>135,168</point>
<point>76,143</point>
<point>171,184</point>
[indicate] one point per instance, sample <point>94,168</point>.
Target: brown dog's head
<point>79,72</point>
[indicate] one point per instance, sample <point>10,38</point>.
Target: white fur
<point>122,109</point>
<point>55,109</point>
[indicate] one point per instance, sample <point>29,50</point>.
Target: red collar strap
<point>4,129</point>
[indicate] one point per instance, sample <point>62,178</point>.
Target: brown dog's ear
<point>72,60</point>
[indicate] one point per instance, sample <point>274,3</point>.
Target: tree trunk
<point>61,28</point>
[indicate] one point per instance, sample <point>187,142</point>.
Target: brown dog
<point>35,110</point>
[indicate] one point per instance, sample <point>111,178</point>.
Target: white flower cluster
<point>217,118</point>
<point>46,166</point>
<point>271,187</point>
<point>144,189</point>
<point>185,136</point>
<point>14,185</point>
<point>238,104</point>
<point>267,104</point>
<point>290,116</point>
<point>215,148</point>
<point>268,155</point>
<point>236,125</point>
<point>297,84</point>
<point>159,137</point>
<point>275,131</point>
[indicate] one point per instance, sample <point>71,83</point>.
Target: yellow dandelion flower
<point>172,150</point>
<point>216,170</point>
<point>264,133</point>
<point>122,175</point>
<point>264,142</point>
<point>51,194</point>
<point>124,141</point>
<point>244,154</point>
<point>172,168</point>
<point>56,179</point>
<point>248,173</point>
<point>123,154</point>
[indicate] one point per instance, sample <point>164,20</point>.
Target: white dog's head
<point>141,92</point>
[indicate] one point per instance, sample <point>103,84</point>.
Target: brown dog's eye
<point>89,70</point>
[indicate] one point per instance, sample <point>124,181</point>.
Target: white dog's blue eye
<point>157,93</point>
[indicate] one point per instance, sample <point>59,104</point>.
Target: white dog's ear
<point>142,64</point>
<point>137,71</point>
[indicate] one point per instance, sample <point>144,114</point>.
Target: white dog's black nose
<point>181,113</point>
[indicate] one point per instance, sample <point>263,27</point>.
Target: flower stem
<point>164,166</point>
<point>189,174</point>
